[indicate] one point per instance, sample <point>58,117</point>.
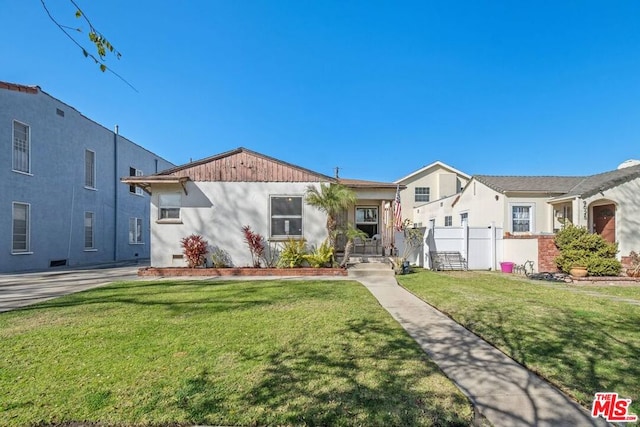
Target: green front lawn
<point>584,344</point>
<point>235,353</point>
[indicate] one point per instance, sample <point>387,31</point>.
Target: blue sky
<point>379,89</point>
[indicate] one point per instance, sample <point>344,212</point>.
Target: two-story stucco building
<point>62,203</point>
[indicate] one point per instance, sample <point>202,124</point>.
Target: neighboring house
<point>426,190</point>
<point>216,196</point>
<point>62,202</point>
<point>530,209</point>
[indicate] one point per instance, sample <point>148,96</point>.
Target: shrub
<point>579,247</point>
<point>292,253</point>
<point>220,258</point>
<point>255,241</point>
<point>320,256</point>
<point>194,249</point>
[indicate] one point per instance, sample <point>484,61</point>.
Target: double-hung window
<point>133,188</point>
<point>286,216</point>
<point>421,194</point>
<point>135,230</point>
<point>89,231</point>
<point>89,169</point>
<point>21,148</point>
<point>522,218</point>
<point>448,221</point>
<point>21,225</point>
<point>169,206</point>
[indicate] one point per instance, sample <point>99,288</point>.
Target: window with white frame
<point>89,231</point>
<point>169,206</point>
<point>521,218</point>
<point>464,218</point>
<point>89,169</point>
<point>21,148</point>
<point>21,225</point>
<point>286,216</point>
<point>135,230</point>
<point>421,194</point>
<point>448,221</point>
<point>133,188</point>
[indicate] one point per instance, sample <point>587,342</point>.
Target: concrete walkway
<point>21,290</point>
<point>503,391</point>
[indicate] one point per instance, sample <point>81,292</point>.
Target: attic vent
<point>59,112</point>
<point>58,263</point>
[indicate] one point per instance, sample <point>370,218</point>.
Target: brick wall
<point>547,251</point>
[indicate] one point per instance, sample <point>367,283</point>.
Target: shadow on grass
<point>579,350</point>
<point>372,375</point>
<point>187,296</point>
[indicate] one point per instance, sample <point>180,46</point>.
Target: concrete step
<point>370,269</point>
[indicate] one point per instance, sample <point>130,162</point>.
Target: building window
<point>21,148</point>
<point>21,226</point>
<point>135,230</point>
<point>464,218</point>
<point>169,206</point>
<point>132,188</point>
<point>286,216</point>
<point>367,220</point>
<point>89,169</point>
<point>89,231</point>
<point>422,194</point>
<point>448,221</point>
<point>521,218</point>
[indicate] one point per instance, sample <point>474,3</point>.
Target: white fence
<point>481,247</point>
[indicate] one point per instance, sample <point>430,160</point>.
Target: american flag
<point>397,211</point>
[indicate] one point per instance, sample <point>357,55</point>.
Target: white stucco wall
<point>435,210</point>
<point>439,187</point>
<point>479,201</point>
<point>521,250</point>
<point>218,211</point>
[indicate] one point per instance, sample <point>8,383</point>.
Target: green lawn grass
<point>584,344</point>
<point>236,353</point>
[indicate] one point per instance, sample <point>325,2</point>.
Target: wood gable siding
<point>247,167</point>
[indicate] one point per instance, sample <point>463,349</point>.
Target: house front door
<point>604,221</point>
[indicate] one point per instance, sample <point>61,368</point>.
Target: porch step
<point>370,269</point>
<point>360,259</point>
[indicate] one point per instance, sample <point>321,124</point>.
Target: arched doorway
<point>604,221</point>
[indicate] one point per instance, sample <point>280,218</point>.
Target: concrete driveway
<point>19,290</point>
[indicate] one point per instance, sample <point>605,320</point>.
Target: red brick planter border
<point>247,272</point>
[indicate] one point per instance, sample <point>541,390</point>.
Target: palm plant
<point>351,233</point>
<point>330,199</point>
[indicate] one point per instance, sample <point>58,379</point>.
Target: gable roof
<point>563,186</point>
<point>436,163</point>
<point>359,183</point>
<point>529,184</point>
<point>243,165</point>
<point>592,184</point>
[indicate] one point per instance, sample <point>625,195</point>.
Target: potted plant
<point>578,270</point>
<point>634,267</point>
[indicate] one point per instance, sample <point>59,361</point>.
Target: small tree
<point>350,233</point>
<point>194,249</point>
<point>255,241</point>
<point>578,247</point>
<point>330,199</point>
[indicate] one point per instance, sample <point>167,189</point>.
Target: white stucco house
<point>216,196</point>
<point>529,209</point>
<point>427,189</point>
